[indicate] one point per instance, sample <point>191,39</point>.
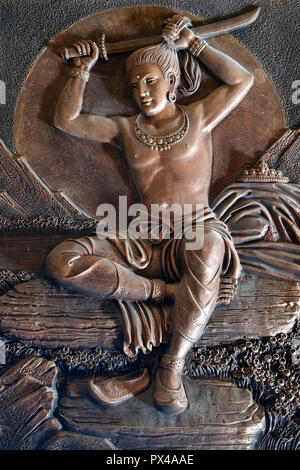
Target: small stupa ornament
<point>262,173</point>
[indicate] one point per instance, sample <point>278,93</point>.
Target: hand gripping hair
<point>183,66</point>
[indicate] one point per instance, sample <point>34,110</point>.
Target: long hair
<point>186,70</point>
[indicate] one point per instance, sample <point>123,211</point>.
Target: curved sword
<point>204,31</point>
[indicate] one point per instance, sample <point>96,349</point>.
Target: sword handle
<point>71,52</point>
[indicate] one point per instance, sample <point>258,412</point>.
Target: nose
<point>143,90</point>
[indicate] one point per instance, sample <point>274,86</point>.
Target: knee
<point>210,255</point>
<point>213,247</point>
<point>59,260</point>
<point>213,243</point>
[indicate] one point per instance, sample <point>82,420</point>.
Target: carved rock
<point>27,400</point>
<point>263,307</point>
<point>38,313</point>
<point>42,315</point>
<point>220,416</point>
<point>21,188</point>
<point>72,441</point>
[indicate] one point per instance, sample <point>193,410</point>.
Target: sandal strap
<point>178,394</point>
<point>172,363</point>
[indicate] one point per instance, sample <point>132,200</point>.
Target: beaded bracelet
<point>197,46</point>
<point>172,363</point>
<point>102,48</point>
<point>158,291</point>
<point>76,72</point>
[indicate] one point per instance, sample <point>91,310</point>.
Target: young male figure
<point>168,149</point>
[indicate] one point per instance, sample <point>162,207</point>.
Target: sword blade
<point>205,31</point>
<point>230,24</point>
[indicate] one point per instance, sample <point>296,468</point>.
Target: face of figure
<point>150,88</point>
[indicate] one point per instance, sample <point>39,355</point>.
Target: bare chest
<point>185,156</point>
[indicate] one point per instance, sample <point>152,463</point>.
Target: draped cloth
<point>147,325</point>
<point>260,225</point>
<point>254,225</point>
<point>264,221</point>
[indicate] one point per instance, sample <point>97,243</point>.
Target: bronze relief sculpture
<point>168,150</point>
<point>167,291</point>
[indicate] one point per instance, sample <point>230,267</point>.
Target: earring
<point>171,97</point>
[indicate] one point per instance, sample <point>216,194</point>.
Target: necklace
<point>164,142</point>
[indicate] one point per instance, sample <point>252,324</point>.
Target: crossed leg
<point>94,267</point>
<point>195,301</point>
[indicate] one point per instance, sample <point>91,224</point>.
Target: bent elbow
<point>61,123</point>
<point>245,85</point>
<point>249,81</point>
<point>58,123</point>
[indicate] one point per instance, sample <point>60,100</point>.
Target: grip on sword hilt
<point>71,52</point>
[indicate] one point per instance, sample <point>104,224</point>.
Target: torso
<point>179,175</point>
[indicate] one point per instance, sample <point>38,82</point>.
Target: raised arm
<point>237,81</point>
<point>68,116</point>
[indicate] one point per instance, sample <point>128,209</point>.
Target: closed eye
<point>151,80</point>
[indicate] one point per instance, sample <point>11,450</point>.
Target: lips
<point>147,102</point>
